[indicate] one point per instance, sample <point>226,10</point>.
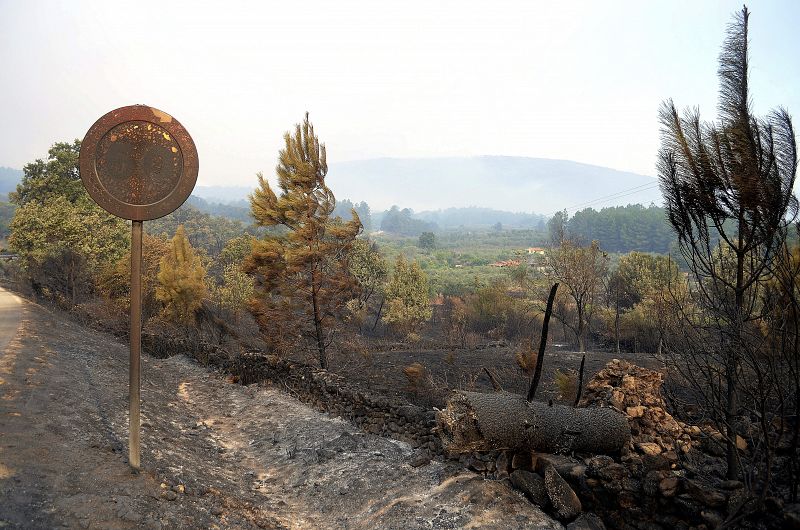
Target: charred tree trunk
<point>378,317</point>
<point>537,372</point>
<point>492,379</point>
<point>580,381</point>
<point>483,422</point>
<point>318,332</point>
<point>581,330</point>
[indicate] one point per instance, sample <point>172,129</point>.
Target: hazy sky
<point>573,80</point>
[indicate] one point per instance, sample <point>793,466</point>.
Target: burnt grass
<point>449,369</point>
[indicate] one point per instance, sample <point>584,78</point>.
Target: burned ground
<point>214,454</point>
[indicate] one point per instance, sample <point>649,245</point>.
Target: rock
<point>575,473</point>
<point>564,500</point>
<point>693,430</point>
<point>651,482</point>
<point>521,461</point>
<point>565,465</point>
<point>655,462</point>
<point>712,446</point>
<point>648,448</point>
<point>731,484</point>
<point>635,412</point>
<point>773,504</point>
<point>668,486</point>
<point>216,510</point>
<point>587,521</point>
<point>627,501</point>
<point>169,495</point>
<point>628,383</point>
<point>705,496</point>
<point>477,465</point>
<point>688,507</point>
<point>736,499</point>
<point>502,465</point>
<point>596,463</point>
<point>632,400</point>
<point>532,485</point>
<point>420,459</point>
<point>616,399</point>
<point>612,473</point>
<point>712,518</point>
<point>791,517</point>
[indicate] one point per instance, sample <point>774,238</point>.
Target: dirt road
<point>214,454</point>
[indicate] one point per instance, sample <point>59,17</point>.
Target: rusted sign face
<point>138,163</point>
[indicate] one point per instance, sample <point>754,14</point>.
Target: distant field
<point>462,258</point>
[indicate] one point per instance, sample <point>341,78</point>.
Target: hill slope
<point>9,178</point>
<point>505,183</point>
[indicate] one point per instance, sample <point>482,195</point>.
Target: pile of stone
<point>646,485</point>
<point>636,392</point>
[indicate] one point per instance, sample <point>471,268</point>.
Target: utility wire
<point>606,198</point>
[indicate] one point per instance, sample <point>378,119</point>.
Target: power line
<point>635,189</point>
<point>606,198</point>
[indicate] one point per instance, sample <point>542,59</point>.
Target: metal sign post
<point>134,382</point>
<point>138,163</point>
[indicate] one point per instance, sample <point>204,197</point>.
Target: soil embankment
<point>214,454</point>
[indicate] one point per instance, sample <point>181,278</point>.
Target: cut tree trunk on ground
<point>485,422</point>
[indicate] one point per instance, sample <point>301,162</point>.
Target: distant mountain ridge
<point>506,183</point>
<point>517,184</point>
<point>223,194</point>
<point>9,178</point>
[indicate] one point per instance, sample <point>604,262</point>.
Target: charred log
<point>483,422</point>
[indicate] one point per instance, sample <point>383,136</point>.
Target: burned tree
<point>483,422</point>
<point>728,191</point>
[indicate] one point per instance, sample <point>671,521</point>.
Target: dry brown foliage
<point>526,359</point>
<point>567,384</point>
<point>416,374</point>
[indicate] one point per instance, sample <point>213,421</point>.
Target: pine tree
<point>236,290</point>
<point>182,280</point>
<point>301,272</point>
<point>728,190</point>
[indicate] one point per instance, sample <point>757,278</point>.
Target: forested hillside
<point>624,228</point>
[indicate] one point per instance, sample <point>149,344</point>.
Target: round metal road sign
<point>138,163</point>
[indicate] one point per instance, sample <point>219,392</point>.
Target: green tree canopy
<point>581,271</point>
<point>427,240</point>
<point>236,290</point>
<point>58,176</point>
<point>368,267</point>
<point>62,236</point>
<point>407,296</point>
